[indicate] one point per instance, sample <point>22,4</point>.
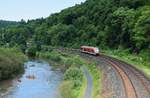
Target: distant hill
<point>4,23</point>
<point>103,23</point>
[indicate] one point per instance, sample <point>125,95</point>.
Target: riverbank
<point>11,63</point>
<point>38,81</point>
<point>75,83</point>
<point>140,61</point>
<point>71,67</point>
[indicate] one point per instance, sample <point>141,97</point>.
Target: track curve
<point>135,83</point>
<point>142,83</point>
<point>130,91</point>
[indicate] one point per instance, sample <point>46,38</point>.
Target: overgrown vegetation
<point>73,77</point>
<point>11,63</point>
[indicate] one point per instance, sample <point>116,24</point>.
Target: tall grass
<point>11,61</point>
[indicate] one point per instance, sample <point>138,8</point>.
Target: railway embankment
<point>141,61</point>
<point>139,82</point>
<point>120,79</point>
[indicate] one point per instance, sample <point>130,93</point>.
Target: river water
<point>38,81</point>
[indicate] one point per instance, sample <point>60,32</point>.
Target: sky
<point>15,10</point>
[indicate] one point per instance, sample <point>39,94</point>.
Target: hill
<point>103,23</point>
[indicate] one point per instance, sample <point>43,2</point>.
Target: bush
<point>11,63</point>
<point>31,52</point>
<point>74,74</point>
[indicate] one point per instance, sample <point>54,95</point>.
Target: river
<point>38,81</point>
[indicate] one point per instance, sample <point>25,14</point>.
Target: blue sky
<point>31,9</point>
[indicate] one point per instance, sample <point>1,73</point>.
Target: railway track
<point>129,69</point>
<point>130,91</point>
<point>136,84</point>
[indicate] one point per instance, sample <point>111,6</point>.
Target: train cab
<point>90,50</point>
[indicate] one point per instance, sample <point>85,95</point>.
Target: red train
<point>90,50</point>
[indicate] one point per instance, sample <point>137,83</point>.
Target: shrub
<point>68,63</point>
<point>53,56</point>
<point>74,74</point>
<point>31,52</point>
<point>11,63</point>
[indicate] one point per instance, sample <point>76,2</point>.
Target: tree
<point>142,30</point>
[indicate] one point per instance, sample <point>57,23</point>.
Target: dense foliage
<point>11,63</point>
<point>75,75</point>
<point>103,23</point>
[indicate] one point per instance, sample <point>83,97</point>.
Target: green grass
<point>83,88</point>
<point>11,61</point>
<point>140,61</point>
<point>66,89</point>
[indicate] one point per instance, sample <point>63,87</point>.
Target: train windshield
<point>96,50</point>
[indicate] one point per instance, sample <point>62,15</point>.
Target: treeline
<point>4,24</point>
<point>103,23</point>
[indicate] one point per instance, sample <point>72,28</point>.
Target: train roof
<point>89,47</point>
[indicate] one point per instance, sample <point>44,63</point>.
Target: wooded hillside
<point>103,23</point>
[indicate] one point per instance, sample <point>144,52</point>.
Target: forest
<point>110,24</point>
